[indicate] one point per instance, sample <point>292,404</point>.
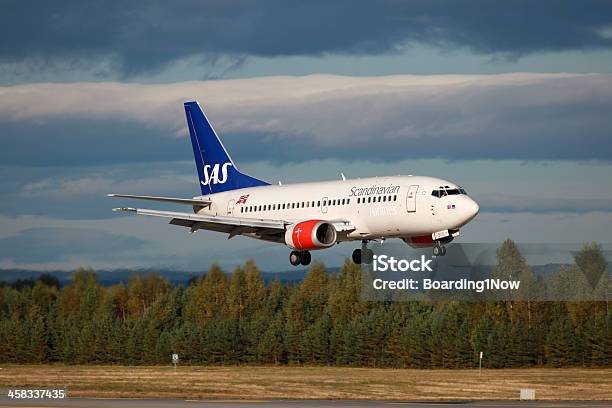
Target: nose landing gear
<point>439,249</point>
<point>300,258</point>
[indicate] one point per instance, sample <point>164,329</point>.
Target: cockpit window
<point>445,190</point>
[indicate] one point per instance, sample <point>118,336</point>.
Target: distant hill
<point>111,277</point>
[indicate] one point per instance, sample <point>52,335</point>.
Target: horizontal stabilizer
<point>188,201</point>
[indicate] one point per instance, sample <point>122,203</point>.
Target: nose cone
<point>471,209</point>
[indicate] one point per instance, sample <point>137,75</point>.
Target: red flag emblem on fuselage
<point>242,199</point>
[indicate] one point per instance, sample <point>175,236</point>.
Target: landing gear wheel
<point>295,258</point>
<point>357,256</point>
<point>367,255</point>
<point>305,258</point>
<point>439,250</point>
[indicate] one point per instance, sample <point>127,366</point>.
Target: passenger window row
<point>291,206</point>
<point>376,199</point>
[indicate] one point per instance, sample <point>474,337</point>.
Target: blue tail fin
<point>216,170</point>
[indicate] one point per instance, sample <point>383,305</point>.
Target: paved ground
<point>178,403</point>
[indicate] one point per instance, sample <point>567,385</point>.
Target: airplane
<point>421,211</point>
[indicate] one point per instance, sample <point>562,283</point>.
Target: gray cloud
<point>65,146</point>
<point>79,141</point>
<point>79,192</point>
<point>292,119</point>
<point>506,203</point>
<point>140,36</point>
<point>53,244</point>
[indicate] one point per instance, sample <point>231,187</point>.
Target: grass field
<point>310,382</point>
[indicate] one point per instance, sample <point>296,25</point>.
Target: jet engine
<point>311,234</point>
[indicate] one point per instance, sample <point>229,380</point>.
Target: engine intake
<point>311,234</point>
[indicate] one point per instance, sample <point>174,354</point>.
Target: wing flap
<point>342,225</point>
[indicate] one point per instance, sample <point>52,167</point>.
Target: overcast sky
<point>511,100</point>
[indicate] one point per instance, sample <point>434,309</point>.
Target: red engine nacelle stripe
<point>302,234</point>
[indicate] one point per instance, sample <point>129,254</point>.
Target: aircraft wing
<point>231,225</point>
<point>268,229</point>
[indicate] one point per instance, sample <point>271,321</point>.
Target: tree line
<point>237,319</point>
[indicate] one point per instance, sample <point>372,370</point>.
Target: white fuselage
<point>378,207</point>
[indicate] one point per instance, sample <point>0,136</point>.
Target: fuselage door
<point>324,205</point>
<point>230,207</point>
<point>411,198</point>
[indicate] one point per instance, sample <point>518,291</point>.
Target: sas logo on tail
<point>212,176</point>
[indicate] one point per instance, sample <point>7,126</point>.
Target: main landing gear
<point>300,258</point>
<point>363,254</point>
<point>439,249</point>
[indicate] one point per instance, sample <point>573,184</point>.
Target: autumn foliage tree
<point>235,318</point>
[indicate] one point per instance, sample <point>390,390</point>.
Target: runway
<point>181,403</point>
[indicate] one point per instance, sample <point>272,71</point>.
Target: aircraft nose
<point>472,208</point>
